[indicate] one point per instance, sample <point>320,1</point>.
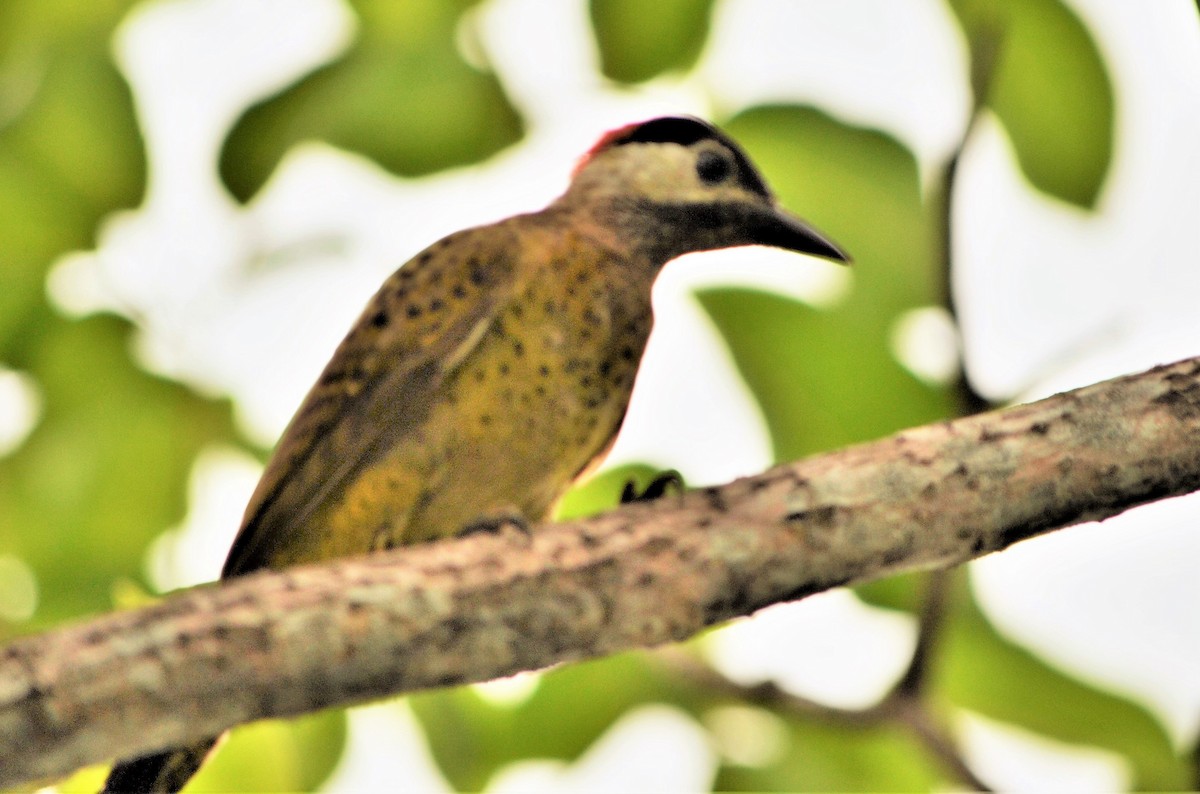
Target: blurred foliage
<point>979,669</point>
<point>639,41</point>
<point>106,468</point>
<point>70,150</point>
<point>274,755</point>
<point>837,177</point>
<point>266,756</point>
<point>402,95</point>
<point>471,736</point>
<point>1036,66</point>
<point>827,758</point>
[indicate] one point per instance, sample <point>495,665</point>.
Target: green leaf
<point>103,472</point>
<point>97,477</point>
<point>826,378</point>
<point>574,705</point>
<point>70,150</point>
<point>825,758</point>
<point>471,737</point>
<point>980,669</point>
<point>1037,66</point>
<point>402,96</point>
<point>902,593</point>
<point>639,41</point>
<point>276,755</point>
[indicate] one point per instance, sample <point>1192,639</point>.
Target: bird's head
<point>679,184</point>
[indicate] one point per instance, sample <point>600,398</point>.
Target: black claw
<point>495,524</point>
<point>658,488</point>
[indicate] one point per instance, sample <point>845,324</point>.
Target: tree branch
<point>472,609</point>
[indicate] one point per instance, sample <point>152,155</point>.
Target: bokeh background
<point>197,197</point>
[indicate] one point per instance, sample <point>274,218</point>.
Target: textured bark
<point>279,644</point>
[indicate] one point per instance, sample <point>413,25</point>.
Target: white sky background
<point>1052,298</point>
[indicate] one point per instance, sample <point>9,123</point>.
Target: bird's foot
<point>495,522</point>
<point>670,480</point>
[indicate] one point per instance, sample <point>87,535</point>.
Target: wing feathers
<point>379,386</point>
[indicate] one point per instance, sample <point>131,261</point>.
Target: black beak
<point>779,228</point>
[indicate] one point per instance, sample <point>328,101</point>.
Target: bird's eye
<point>712,167</point>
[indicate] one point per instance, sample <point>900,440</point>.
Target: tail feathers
<point>161,773</point>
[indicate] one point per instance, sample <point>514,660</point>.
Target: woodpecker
<point>494,368</point>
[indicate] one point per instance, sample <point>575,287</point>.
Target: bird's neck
<point>638,232</point>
